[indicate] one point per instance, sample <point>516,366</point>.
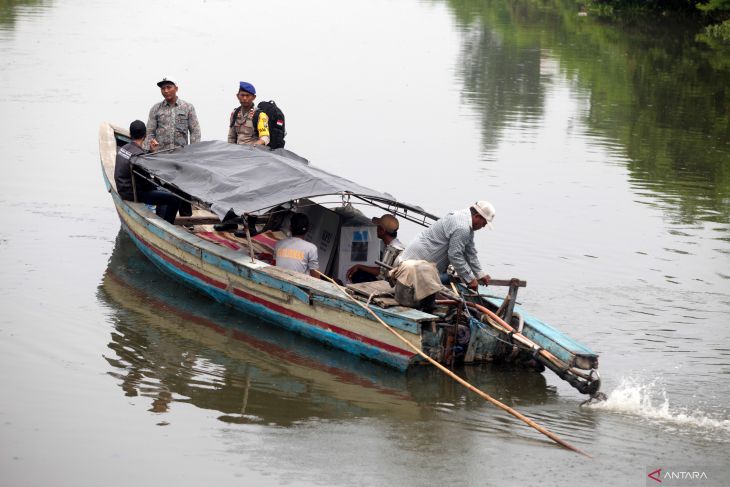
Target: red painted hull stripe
<point>275,307</point>
<point>260,344</point>
<point>322,324</point>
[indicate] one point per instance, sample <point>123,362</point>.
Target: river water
<point>604,146</point>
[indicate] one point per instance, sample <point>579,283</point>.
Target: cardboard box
<point>358,244</point>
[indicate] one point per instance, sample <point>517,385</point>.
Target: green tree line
<point>714,15</point>
<point>656,88</point>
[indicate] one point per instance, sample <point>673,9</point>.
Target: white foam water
<point>649,401</point>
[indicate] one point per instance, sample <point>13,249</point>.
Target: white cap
<point>486,209</point>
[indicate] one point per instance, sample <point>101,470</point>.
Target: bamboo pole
<point>458,379</point>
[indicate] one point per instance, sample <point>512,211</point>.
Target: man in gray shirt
<point>295,253</point>
<point>451,241</point>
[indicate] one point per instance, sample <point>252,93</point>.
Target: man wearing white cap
<point>451,241</point>
<point>171,120</point>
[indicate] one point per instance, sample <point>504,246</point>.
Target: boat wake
<point>649,401</point>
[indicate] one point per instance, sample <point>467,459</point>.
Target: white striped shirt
<point>448,241</point>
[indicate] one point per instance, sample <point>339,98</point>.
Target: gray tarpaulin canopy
<point>245,179</point>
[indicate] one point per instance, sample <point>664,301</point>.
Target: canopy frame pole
<point>403,214</point>
<point>193,203</point>
<point>134,183</point>
<point>248,237</point>
<point>390,206</point>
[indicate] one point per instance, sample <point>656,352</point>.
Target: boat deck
<point>378,292</point>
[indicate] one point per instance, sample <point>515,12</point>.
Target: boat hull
<point>251,289</point>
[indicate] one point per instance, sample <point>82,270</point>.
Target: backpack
<point>277,125</point>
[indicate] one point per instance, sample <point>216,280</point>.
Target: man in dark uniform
<point>147,192</point>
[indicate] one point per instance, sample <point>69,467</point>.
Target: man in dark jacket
<point>147,192</point>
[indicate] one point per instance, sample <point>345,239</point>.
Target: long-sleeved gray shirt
<point>448,241</point>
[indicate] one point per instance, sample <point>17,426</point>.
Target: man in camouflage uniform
<point>241,129</point>
<point>169,123</point>
<point>171,120</point>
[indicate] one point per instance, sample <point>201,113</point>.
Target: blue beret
<point>247,87</point>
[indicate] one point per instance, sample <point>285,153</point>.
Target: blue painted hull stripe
<point>397,359</point>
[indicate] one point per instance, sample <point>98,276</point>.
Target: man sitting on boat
<point>451,241</point>
<point>147,192</point>
<point>241,129</point>
<point>295,253</point>
<point>387,231</point>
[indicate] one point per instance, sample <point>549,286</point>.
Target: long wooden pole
<point>458,379</point>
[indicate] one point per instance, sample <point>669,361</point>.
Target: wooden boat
<point>228,181</point>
